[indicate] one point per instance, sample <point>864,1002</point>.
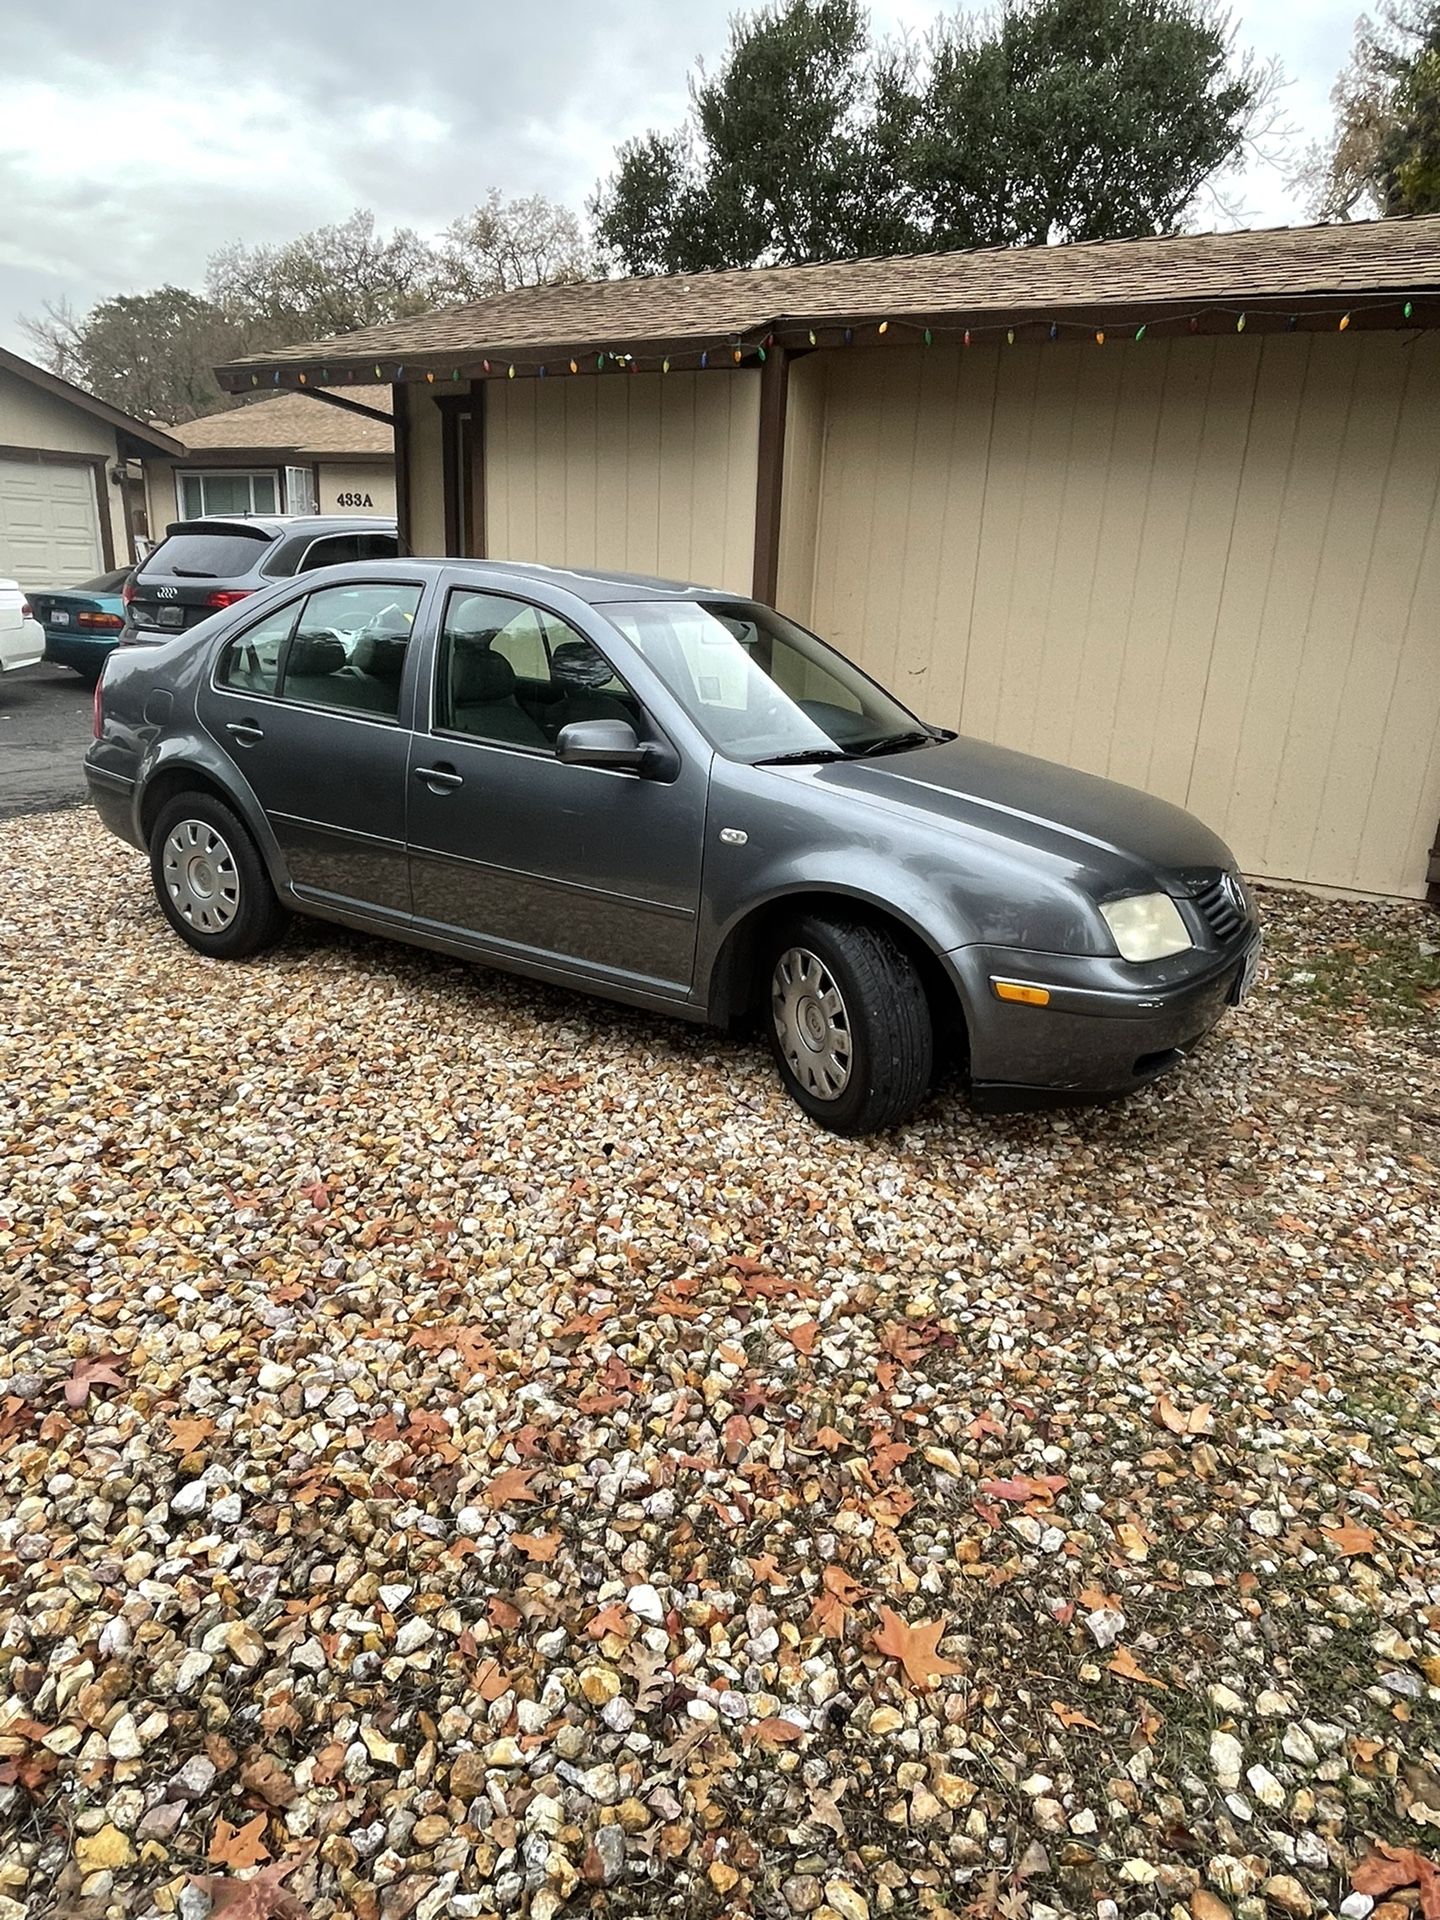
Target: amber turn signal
<point>1023,995</point>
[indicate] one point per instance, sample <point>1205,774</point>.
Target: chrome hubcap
<point>811,1023</point>
<point>201,876</point>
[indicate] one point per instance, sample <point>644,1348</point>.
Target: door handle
<point>440,776</point>
<point>247,732</point>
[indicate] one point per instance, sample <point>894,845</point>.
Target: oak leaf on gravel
<point>1128,1667</point>
<point>1072,1716</point>
<point>186,1435</point>
<point>262,1897</point>
<point>97,1370</point>
<point>1023,1487</point>
<point>1350,1539</point>
<point>914,1647</point>
<point>538,1546</point>
<point>265,1776</point>
<point>775,1731</point>
<point>1174,1420</point>
<point>238,1846</point>
<point>510,1486</point>
<point>1388,1868</point>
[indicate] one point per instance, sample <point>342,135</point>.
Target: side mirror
<point>607,743</point>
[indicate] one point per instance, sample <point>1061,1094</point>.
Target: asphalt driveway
<point>45,721</point>
<point>466,1450</point>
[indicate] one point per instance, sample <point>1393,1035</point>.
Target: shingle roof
<point>1187,270</point>
<point>292,423</point>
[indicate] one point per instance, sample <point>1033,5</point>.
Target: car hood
<point>1036,803</point>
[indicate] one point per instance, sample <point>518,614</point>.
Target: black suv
<point>203,565</point>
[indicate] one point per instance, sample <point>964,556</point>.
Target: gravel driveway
<point>469,1450</point>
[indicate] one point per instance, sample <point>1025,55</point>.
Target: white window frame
<point>202,474</point>
<point>301,493</point>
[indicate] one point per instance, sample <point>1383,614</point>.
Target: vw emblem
<point>1235,894</point>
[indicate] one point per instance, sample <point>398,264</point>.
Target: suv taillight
<point>25,612</point>
<point>127,592</point>
<point>97,720</point>
<point>227,596</point>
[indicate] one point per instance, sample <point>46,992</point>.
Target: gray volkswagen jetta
<point>672,796</point>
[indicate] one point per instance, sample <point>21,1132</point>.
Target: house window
<point>300,490</point>
<point>229,492</point>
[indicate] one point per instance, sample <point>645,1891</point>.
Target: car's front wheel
<point>850,1024</point>
<point>210,880</point>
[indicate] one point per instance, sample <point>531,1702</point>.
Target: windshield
<point>206,554</point>
<point>759,687</point>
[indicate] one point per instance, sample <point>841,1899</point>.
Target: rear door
<point>200,567</point>
<point>312,704</point>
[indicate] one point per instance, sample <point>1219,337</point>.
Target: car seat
<point>578,671</point>
<point>482,696</point>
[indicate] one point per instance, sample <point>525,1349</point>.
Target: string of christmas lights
<point>739,348</point>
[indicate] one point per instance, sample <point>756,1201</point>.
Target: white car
<point>22,638</point>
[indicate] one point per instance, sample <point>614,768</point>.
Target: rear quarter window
<point>204,556</point>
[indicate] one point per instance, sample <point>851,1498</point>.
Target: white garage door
<point>49,524</point>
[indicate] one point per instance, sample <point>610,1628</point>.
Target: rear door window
<point>204,555</point>
<point>348,648</point>
<point>251,661</point>
<point>339,549</point>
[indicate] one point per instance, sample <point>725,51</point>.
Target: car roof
<point>585,583</point>
<point>280,523</point>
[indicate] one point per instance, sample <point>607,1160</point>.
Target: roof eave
<point>1263,308</point>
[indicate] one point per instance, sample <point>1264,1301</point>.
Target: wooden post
<point>401,417</point>
<point>770,473</point>
<point>474,445</point>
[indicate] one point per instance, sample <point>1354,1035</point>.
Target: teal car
<point>82,624</point>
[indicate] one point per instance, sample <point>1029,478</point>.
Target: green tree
<point>1384,155</point>
<point>328,281</point>
<point>1042,120</point>
<point>151,354</point>
<point>495,248</point>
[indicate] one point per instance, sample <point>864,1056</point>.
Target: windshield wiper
<point>893,742</point>
<point>193,573</point>
<point>801,756</point>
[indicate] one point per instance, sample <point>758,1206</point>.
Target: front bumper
<point>1103,1032</point>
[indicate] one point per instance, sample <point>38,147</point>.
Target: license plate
<point>170,617</point>
<point>58,619</point>
<point>1245,979</point>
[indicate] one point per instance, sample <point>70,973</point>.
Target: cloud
<point>134,142</point>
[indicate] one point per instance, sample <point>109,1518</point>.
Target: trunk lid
<point>193,572</point>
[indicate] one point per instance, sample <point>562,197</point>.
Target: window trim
<point>202,474</point>
<point>441,661</point>
<point>279,699</point>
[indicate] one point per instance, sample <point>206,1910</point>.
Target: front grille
<point>1222,907</point>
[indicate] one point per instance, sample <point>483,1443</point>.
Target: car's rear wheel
<point>210,880</point>
<point>850,1024</point>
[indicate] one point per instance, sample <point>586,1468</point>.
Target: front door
<point>577,867</point>
<point>307,705</point>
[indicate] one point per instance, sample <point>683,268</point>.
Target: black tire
<point>882,1030</point>
<point>237,914</point>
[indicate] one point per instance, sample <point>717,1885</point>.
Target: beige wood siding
<point>373,480</point>
<point>1206,567</point>
<point>646,472</point>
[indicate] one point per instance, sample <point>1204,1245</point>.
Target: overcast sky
<point>135,141</point>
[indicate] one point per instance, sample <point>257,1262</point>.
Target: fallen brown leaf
<point>1388,1868</point>
<point>1128,1667</point>
<point>1170,1416</point>
<point>914,1647</point>
<point>261,1897</point>
<point>510,1487</point>
<point>1072,1716</point>
<point>538,1546</point>
<point>97,1371</point>
<point>1350,1539</point>
<point>238,1846</point>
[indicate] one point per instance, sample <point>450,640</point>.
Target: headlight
<point>1147,926</point>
